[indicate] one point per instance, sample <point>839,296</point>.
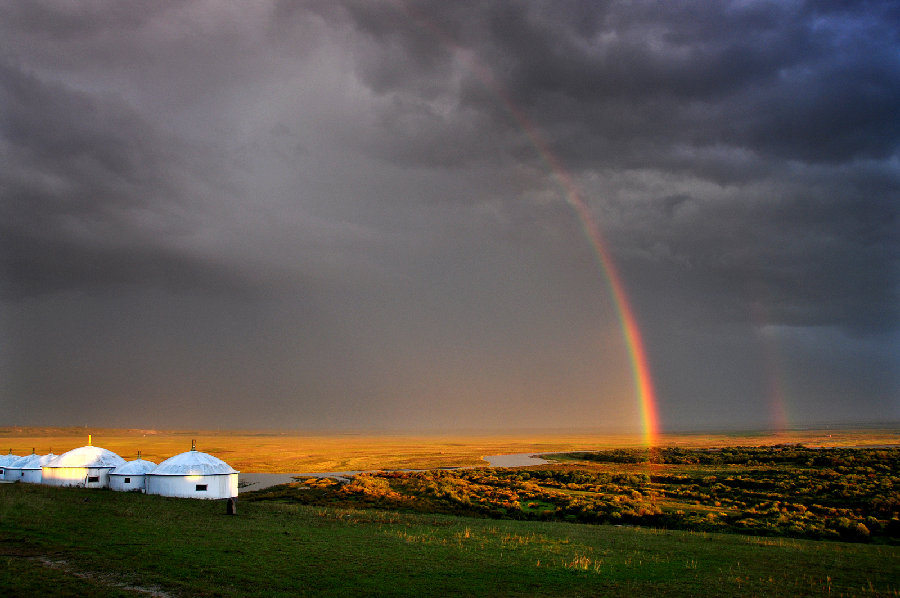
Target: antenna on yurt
<point>90,443</point>
<point>193,445</point>
<point>139,454</point>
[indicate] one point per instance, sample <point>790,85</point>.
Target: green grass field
<point>75,542</point>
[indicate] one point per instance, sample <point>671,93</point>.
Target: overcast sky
<point>344,215</point>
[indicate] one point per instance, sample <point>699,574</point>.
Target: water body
<point>257,481</point>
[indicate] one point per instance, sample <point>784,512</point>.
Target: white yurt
<point>193,475</point>
<point>6,461</point>
<point>85,467</point>
<point>131,475</point>
<point>12,472</point>
<point>28,469</point>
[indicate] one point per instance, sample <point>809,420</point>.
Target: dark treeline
<point>849,494</point>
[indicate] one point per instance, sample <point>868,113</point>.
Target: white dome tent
<point>193,475</point>
<point>6,461</point>
<point>28,469</point>
<point>131,476</point>
<point>13,471</point>
<point>84,467</point>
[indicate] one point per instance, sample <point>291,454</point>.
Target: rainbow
<point>637,354</point>
<point>641,375</point>
<point>775,378</point>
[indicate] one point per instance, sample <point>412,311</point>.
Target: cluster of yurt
<point>192,474</point>
<point>27,469</point>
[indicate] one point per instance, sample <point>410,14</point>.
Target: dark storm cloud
<point>609,80</point>
<point>91,194</point>
<point>347,210</point>
<point>811,262</point>
<point>719,93</point>
<point>67,21</point>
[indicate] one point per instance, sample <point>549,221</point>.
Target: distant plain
<point>290,452</point>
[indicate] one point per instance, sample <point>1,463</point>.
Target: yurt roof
<point>193,463</point>
<point>136,467</point>
<point>88,456</point>
<point>21,462</point>
<point>32,461</point>
<point>8,459</point>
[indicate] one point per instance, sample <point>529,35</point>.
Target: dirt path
<point>106,579</point>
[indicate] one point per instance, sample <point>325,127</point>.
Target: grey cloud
<point>607,82</point>
<point>335,210</point>
<point>50,19</point>
<point>43,263</point>
<point>722,94</point>
<point>92,194</point>
<point>821,250</point>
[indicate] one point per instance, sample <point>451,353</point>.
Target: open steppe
<point>369,538</point>
<point>288,452</point>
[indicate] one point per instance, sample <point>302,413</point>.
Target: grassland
<point>272,452</point>
<point>75,542</point>
<point>785,490</point>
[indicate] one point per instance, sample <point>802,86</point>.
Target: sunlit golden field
<point>274,452</point>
